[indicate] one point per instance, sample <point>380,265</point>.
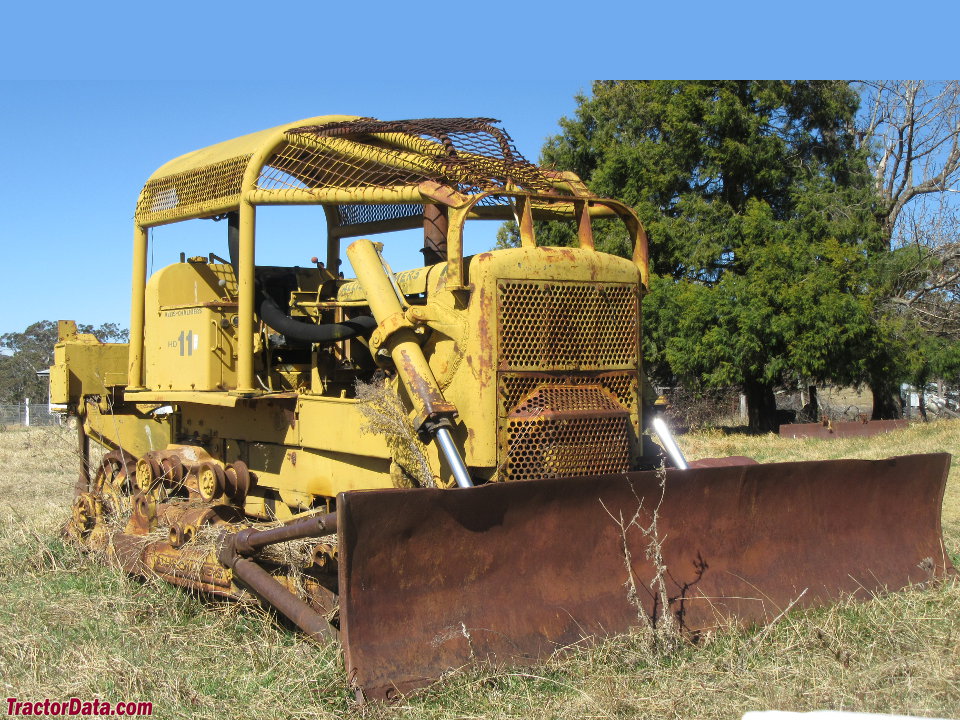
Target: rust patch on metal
<point>483,370</point>
<point>565,431</point>
<point>424,389</point>
<point>430,579</point>
<point>143,519</point>
<point>857,428</point>
<point>192,568</point>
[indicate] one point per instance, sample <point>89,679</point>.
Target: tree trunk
<point>761,407</point>
<point>810,412</point>
<point>886,399</point>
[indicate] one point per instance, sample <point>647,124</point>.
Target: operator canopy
<point>371,170</point>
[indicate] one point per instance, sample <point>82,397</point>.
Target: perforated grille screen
<point>513,387</point>
<point>569,399</point>
<point>560,326</point>
<point>568,380</point>
<point>563,431</point>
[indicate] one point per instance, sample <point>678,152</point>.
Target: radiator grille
<point>566,326</point>
<point>514,387</point>
<point>564,431</point>
<point>569,399</point>
<point>545,448</point>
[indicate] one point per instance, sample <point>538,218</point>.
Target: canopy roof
<point>359,165</point>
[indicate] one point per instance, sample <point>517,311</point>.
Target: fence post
<point>26,412</point>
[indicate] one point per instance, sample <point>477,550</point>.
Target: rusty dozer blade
<point>435,579</point>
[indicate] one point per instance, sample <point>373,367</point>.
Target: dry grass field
<point>70,627</point>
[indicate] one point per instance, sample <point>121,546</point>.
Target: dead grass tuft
<point>386,415</point>
<point>663,630</point>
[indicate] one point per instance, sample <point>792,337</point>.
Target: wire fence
<point>28,414</point>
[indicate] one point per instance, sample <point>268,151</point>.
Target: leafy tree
<point>916,320</point>
<point>28,352</point>
<point>923,357</point>
<point>761,219</point>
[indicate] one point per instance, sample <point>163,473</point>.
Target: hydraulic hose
<point>271,313</point>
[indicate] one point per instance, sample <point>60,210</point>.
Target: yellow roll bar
<point>342,161</point>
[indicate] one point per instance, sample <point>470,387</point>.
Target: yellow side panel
<point>266,421</point>
<point>81,368</point>
<point>303,472</point>
<point>181,351</point>
<point>135,432</point>
<point>189,333</point>
<point>309,445</point>
<point>336,425</point>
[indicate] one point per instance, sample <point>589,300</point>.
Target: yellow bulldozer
<point>447,464</point>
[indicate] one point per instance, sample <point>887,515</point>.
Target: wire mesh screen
<point>188,193</point>
<point>305,163</point>
<point>36,414</point>
<point>471,155</point>
<point>357,214</point>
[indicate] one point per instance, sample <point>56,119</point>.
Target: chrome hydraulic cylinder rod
<point>449,449</point>
<point>669,444</point>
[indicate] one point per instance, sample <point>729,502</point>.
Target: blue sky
<point>94,97</point>
<point>84,150</point>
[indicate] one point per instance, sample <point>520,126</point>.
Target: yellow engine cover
<point>189,328</point>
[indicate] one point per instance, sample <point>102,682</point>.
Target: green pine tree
<point>761,220</point>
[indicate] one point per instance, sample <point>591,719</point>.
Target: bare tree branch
<point>928,280</point>
<point>913,126</point>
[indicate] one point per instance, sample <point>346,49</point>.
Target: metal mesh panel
<point>548,443</point>
<point>357,214</point>
<point>514,387</point>
<point>469,154</point>
<point>566,430</point>
<point>569,398</point>
<point>184,194</point>
<point>494,201</point>
<point>557,326</point>
<point>302,164</point>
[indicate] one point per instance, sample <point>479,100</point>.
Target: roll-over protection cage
<point>370,176</point>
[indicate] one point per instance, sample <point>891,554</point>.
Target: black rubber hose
<point>271,313</point>
<point>279,321</point>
